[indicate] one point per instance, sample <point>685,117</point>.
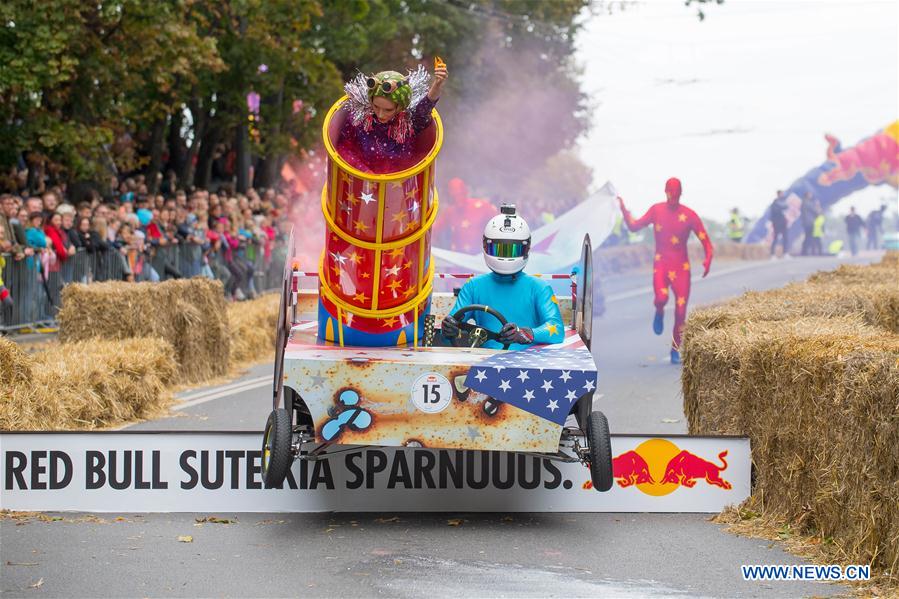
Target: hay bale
<point>92,384</point>
<point>819,399</point>
<point>15,365</point>
<point>253,326</point>
<point>188,313</point>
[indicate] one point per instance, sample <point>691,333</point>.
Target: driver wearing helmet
<point>527,303</point>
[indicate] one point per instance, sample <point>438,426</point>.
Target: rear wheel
<point>276,458</point>
<point>600,446</point>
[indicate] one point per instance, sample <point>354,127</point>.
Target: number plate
<point>431,392</point>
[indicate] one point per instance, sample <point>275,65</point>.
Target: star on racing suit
<point>524,300</point>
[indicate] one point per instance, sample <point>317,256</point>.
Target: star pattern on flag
<point>543,381</point>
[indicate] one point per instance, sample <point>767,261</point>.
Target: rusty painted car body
<point>364,395</point>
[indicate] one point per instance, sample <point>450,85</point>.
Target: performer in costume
<point>388,111</point>
<point>527,302</point>
<point>672,223</point>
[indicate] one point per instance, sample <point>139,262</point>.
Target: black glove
<point>512,333</point>
<point>450,327</point>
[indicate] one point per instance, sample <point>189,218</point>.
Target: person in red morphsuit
<point>460,216</point>
<point>672,223</point>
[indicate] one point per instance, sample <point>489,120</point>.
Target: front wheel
<point>276,458</point>
<point>600,446</point>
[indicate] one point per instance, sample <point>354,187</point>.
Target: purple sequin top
<point>374,151</point>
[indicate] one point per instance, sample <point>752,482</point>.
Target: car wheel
<point>600,446</point>
<point>276,458</point>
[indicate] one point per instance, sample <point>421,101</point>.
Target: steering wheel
<point>478,335</point>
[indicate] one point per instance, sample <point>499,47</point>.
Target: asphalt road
<point>539,555</point>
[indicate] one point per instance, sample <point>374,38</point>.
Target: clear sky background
<point>736,105</point>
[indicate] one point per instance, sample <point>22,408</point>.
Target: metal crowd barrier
<point>37,295</point>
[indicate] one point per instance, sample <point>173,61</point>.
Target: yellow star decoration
<point>409,292</point>
<point>553,329</point>
<point>399,217</point>
<point>672,275</point>
<point>365,275</point>
<point>335,238</point>
<point>682,218</point>
<point>675,240</point>
<point>346,178</point>
<point>658,257</point>
<point>407,265</point>
<point>395,252</point>
<point>360,297</point>
<point>351,198</point>
<point>390,322</point>
<point>658,227</point>
<point>701,234</point>
<point>664,291</point>
<point>686,266</point>
<point>681,301</point>
<point>355,258</point>
<point>411,194</point>
<point>336,270</point>
<point>409,226</point>
<point>360,226</point>
<point>394,285</point>
<point>396,185</point>
<point>554,300</point>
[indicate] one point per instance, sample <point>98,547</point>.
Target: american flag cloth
<point>543,381</point>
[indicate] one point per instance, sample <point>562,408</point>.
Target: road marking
<point>712,275</point>
<point>225,391</point>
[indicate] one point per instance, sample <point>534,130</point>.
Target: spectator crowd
<point>133,235</point>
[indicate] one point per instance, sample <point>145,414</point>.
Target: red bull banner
<point>221,472</point>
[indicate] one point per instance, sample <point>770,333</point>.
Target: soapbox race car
<point>467,397</point>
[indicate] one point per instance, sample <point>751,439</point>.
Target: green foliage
<point>91,87</point>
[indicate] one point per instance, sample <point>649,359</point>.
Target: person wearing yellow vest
<point>818,236</point>
<point>735,226</point>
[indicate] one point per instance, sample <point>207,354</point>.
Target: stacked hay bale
<point>254,325</point>
<point>810,373</point>
<point>88,384</point>
<point>190,314</point>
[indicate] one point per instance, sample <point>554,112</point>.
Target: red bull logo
<point>658,467</point>
<point>875,158</point>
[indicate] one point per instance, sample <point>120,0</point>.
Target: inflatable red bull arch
<point>872,161</point>
<point>376,273</point>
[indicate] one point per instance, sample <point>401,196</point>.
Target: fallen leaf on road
<point>120,519</point>
<point>386,520</point>
<point>185,539</point>
<point>215,520</point>
<point>455,522</point>
<point>507,519</point>
<point>38,584</point>
<point>8,563</point>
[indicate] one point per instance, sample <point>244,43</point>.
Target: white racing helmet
<point>507,241</point>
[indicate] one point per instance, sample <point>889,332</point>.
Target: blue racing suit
<point>522,299</point>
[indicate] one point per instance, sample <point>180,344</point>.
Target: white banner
<point>220,472</point>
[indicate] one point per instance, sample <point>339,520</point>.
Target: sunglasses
<point>388,87</point>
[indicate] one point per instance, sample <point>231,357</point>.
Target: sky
<point>737,105</point>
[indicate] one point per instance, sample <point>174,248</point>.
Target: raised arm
<point>635,225</point>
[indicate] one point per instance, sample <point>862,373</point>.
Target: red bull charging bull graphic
<point>658,467</point>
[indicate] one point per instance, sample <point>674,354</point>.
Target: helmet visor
<point>505,248</point>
